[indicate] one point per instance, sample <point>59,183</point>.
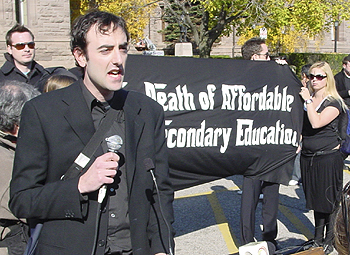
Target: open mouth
<point>114,72</point>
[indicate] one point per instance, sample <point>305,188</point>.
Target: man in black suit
<point>342,81</point>
<point>56,126</point>
<point>252,188</point>
<point>20,64</point>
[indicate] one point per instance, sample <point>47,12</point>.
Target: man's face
<point>104,60</point>
<point>22,56</point>
<point>347,68</point>
<point>263,55</point>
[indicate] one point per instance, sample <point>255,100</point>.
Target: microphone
<point>148,163</point>
<point>114,143</point>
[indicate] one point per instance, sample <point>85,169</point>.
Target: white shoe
<point>261,196</point>
<point>293,182</point>
<point>239,192</point>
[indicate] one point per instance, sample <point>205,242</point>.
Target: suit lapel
<point>77,113</point>
<point>134,126</point>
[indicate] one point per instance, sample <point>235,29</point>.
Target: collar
<point>10,65</point>
<point>89,98</point>
<point>117,101</point>
<point>345,73</point>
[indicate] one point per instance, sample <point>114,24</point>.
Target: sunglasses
<point>267,54</point>
<point>21,46</point>
<point>318,77</point>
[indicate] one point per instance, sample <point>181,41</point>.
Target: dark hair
<point>18,28</point>
<point>13,95</point>
<point>103,20</point>
<point>251,47</point>
<point>346,60</point>
<point>305,70</point>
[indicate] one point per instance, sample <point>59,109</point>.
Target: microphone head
<point>148,163</point>
<point>114,143</point>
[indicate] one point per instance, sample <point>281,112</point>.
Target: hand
<point>101,172</point>
<point>281,62</point>
<point>304,81</point>
<point>304,93</point>
<point>298,149</point>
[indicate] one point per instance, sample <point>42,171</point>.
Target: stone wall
<point>49,20</point>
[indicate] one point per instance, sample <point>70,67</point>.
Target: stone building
<point>49,20</point>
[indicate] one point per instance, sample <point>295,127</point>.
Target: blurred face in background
<point>347,68</point>
<point>263,55</point>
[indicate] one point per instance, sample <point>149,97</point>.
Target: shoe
<point>261,196</point>
<point>293,182</point>
<point>239,192</point>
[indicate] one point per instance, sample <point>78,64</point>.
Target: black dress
<point>321,166</point>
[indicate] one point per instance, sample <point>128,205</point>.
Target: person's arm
<point>318,120</point>
<point>166,191</point>
<point>30,195</point>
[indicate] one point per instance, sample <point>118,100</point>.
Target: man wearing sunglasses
<point>20,64</point>
<point>254,189</point>
<point>342,81</point>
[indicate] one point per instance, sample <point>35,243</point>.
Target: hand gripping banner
<point>223,117</point>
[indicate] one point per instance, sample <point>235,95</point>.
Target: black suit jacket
<point>55,127</point>
<point>341,88</point>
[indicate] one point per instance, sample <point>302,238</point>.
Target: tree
<point>288,22</point>
<point>135,12</point>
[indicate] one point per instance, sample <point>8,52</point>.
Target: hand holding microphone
<point>103,169</point>
<point>114,143</point>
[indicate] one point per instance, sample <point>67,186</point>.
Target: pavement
<point>207,217</point>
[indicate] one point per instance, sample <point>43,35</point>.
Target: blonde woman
<point>58,82</point>
<point>321,160</point>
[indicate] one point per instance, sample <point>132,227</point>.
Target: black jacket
<point>37,76</point>
<point>55,127</point>
<point>340,84</point>
<point>9,71</point>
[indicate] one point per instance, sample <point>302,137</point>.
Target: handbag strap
<point>84,157</point>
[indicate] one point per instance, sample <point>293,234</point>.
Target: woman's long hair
<point>331,89</point>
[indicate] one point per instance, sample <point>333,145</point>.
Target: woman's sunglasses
<point>21,46</point>
<point>318,77</point>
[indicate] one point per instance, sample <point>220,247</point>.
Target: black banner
<point>223,116</point>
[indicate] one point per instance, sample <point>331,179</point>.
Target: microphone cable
<point>114,143</point>
<point>150,166</point>
<point>97,226</point>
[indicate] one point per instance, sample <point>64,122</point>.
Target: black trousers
<point>250,198</point>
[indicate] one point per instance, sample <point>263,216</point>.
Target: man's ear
<point>80,57</point>
<point>9,49</point>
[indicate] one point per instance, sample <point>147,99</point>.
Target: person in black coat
<point>135,218</point>
<point>342,81</point>
<point>20,64</point>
